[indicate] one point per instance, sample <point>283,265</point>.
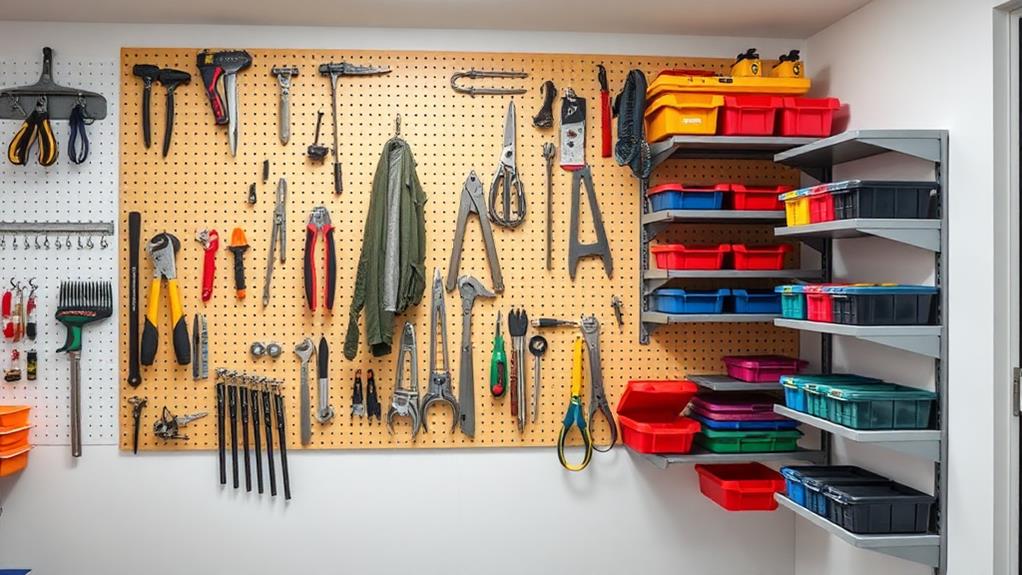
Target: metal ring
<point>257,349</point>
<point>274,350</point>
<point>102,242</point>
<point>89,244</point>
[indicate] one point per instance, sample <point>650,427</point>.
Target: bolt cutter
<point>162,250</point>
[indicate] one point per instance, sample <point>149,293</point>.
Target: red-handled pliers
<point>319,221</point>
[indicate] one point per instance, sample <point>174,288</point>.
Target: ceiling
<point>764,19</point>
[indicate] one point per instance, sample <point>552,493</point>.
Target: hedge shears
<point>574,414</point>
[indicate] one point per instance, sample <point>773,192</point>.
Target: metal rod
<point>57,228</point>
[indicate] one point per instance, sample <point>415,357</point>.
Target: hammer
<point>171,79</point>
<point>284,75</point>
<point>148,73</point>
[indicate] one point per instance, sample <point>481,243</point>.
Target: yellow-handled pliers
<point>574,414</point>
<point>162,250</point>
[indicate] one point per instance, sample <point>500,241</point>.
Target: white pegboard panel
<point>64,192</point>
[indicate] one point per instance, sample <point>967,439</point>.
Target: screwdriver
<point>553,322</point>
<point>498,363</point>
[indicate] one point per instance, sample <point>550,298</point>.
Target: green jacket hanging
<point>391,270</point>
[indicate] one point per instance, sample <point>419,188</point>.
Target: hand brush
<point>80,303</point>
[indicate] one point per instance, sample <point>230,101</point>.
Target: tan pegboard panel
<point>200,185</point>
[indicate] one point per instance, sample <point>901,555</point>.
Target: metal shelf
<point>923,443</point>
<point>924,548</point>
<point>656,278</point>
<point>656,222</point>
<point>725,383</point>
<point>923,234</point>
<point>722,147</point>
<point>700,456</point>
<point>921,339</point>
<point>816,157</point>
<point>655,317</point>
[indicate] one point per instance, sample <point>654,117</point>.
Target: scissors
<point>505,180</point>
<point>574,414</point>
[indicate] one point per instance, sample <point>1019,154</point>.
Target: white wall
<point>492,511</point>
<point>929,64</point>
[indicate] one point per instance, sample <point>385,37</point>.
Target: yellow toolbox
<point>677,114</point>
<point>796,207</point>
<point>681,83</point>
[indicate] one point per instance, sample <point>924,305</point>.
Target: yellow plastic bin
<point>796,207</point>
<point>677,114</point>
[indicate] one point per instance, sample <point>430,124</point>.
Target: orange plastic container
<point>14,415</point>
<point>14,460</point>
<point>679,114</point>
<point>11,437</point>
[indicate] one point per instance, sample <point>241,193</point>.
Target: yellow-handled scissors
<point>574,414</point>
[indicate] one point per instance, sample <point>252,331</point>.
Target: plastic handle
<point>208,273</point>
<point>147,91</point>
<point>278,401</point>
<point>514,384</point>
<point>310,267</point>
<point>221,451</point>
<point>605,123</point>
<point>134,237</point>
<point>338,185</point>
<point>243,405</point>
<point>330,261</point>
<point>168,122</point>
<point>239,273</point>
<point>210,76</point>
<point>182,344</point>
<point>268,423</point>
<point>232,409</point>
<point>576,368</point>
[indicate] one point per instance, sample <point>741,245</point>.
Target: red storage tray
<point>650,416</point>
<point>821,207</point>
<point>762,368</point>
<point>759,257</point>
<point>757,197</point>
<point>740,486</point>
<point>749,115</point>
<point>681,257</point>
<point>818,304</point>
<point>808,117</point>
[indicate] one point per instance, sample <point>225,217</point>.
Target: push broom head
<point>82,303</point>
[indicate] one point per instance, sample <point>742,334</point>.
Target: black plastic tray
<point>883,199</point>
<point>877,509</point>
<point>883,309</point>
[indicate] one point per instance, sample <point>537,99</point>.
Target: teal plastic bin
<point>795,395</point>
<point>793,301</point>
<point>894,407</point>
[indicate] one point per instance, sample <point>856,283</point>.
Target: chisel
<point>278,401</point>
<point>268,424</point>
<point>221,451</point>
<point>255,436</point>
<point>244,437</point>
<point>232,409</point>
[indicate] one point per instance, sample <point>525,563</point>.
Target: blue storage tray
<point>747,301</point>
<point>795,392</point>
<point>745,425</point>
<point>680,197</point>
<point>671,300</point>
<point>806,483</point>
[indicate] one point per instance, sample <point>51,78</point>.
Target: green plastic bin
<point>897,407</point>
<point>748,441</point>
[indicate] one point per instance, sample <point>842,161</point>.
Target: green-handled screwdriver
<point>498,363</point>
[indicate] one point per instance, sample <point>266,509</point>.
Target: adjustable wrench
<point>324,413</point>
<point>590,327</point>
<point>305,350</point>
<point>284,75</point>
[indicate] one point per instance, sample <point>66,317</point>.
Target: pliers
<point>319,221</point>
<point>405,400</point>
<point>162,250</point>
<point>439,377</point>
<point>574,416</point>
<point>590,327</point>
<point>279,232</point>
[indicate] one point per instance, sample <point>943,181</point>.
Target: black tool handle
<point>239,272</point>
<point>331,266</point>
<point>221,447</point>
<point>545,117</point>
<point>278,401</point>
<point>243,400</point>
<point>150,342</point>
<point>211,74</point>
<point>134,237</point>
<point>168,122</point>
<point>137,420</point>
<point>182,344</point>
<point>257,441</point>
<point>268,421</point>
<point>309,267</point>
<point>232,408</point>
<point>338,185</point>
<point>147,91</point>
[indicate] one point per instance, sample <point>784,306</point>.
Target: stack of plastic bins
<point>796,387</point>
<point>682,301</point>
<point>742,423</point>
<point>796,207</point>
<point>887,406</point>
<point>882,199</point>
<point>650,416</point>
<point>14,445</point>
<point>805,484</point>
<point>687,257</point>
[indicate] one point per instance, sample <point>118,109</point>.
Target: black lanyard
<point>78,120</point>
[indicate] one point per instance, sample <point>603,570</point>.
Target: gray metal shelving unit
<point>699,456</point>
<point>718,382</point>
<point>817,159</point>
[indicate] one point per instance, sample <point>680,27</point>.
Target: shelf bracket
<point>922,345</point>
<point>927,239</point>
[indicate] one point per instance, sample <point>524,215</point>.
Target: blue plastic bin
<point>756,301</point>
<point>682,197</point>
<point>795,395</point>
<point>805,483</point>
<point>745,425</point>
<point>671,300</point>
<point>793,301</point>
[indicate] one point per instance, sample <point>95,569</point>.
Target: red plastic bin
<point>740,486</point>
<point>818,304</point>
<point>759,257</point>
<point>681,257</point>
<point>757,197</point>
<point>821,207</point>
<point>650,416</point>
<point>762,368</point>
<point>808,117</point>
<point>749,115</point>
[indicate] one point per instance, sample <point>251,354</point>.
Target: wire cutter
<point>472,202</point>
<point>573,416</point>
<point>319,221</point>
<point>439,379</point>
<point>162,250</point>
<point>505,180</point>
<point>279,231</point>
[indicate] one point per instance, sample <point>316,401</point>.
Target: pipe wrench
<point>224,66</point>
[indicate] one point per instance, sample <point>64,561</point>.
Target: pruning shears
<point>574,414</point>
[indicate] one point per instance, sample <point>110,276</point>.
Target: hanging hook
<point>89,244</point>
<point>26,241</point>
<point>3,242</point>
<point>36,243</point>
<point>46,241</point>
<point>80,246</point>
<point>67,243</point>
<point>102,241</point>
<point>32,284</point>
